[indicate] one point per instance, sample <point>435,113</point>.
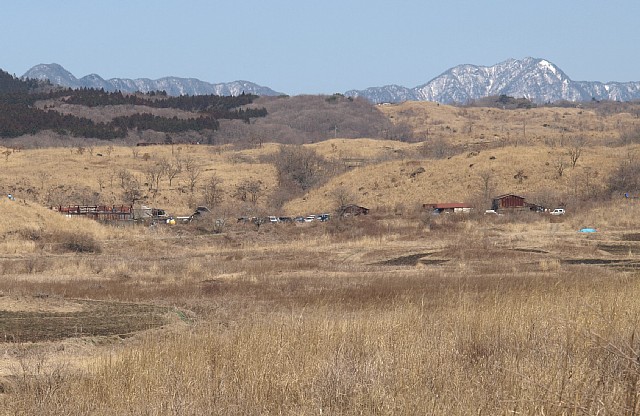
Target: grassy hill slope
<point>527,170</point>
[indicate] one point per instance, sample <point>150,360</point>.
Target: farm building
<point>448,207</point>
<point>97,212</point>
<point>352,210</point>
<point>112,212</point>
<point>514,202</point>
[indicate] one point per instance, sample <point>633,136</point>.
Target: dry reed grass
<point>440,343</point>
<point>29,228</point>
<point>314,323</point>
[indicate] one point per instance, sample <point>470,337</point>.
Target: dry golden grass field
<point>395,312</point>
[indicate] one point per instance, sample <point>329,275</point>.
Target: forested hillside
<point>11,84</point>
<point>51,115</point>
<point>20,116</point>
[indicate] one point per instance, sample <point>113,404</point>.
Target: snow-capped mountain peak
<point>56,74</point>
<point>539,80</point>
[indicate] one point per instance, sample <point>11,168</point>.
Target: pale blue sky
<point>323,46</point>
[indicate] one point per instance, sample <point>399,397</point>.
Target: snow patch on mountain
<point>173,86</point>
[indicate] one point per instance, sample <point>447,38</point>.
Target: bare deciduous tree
<point>153,174</point>
<point>249,191</point>
<point>172,169</point>
<point>42,178</point>
<point>342,197</point>
<point>625,179</point>
<point>193,170</point>
<point>254,188</point>
<point>486,176</point>
<point>436,148</point>
<point>575,150</point>
<point>123,175</point>
<point>630,135</point>
<point>300,167</point>
<point>213,193</point>
<point>130,185</point>
<point>560,167</point>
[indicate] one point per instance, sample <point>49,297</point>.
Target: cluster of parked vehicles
<point>291,220</point>
<point>557,211</point>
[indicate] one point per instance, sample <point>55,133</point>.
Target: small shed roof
<point>509,195</point>
<point>352,209</point>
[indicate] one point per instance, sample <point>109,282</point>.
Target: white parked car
<point>558,211</point>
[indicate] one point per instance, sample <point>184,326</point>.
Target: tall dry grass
<point>554,343</point>
<point>317,320</point>
<point>27,227</point>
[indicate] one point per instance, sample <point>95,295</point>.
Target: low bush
<point>72,241</point>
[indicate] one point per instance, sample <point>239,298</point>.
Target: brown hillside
<point>78,175</point>
<point>544,125</point>
<point>460,178</point>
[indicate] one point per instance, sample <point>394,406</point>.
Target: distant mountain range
<point>535,79</point>
<point>174,86</point>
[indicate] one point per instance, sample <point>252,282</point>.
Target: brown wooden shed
<point>515,202</point>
